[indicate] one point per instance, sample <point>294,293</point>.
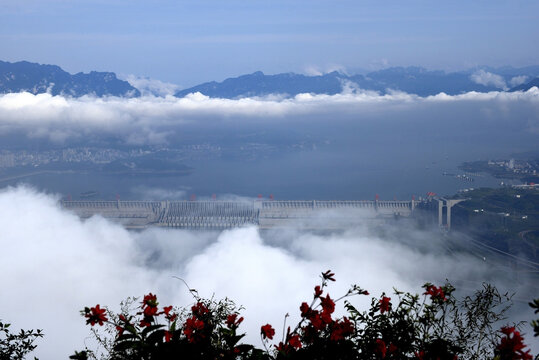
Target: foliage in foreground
<point>15,346</point>
<point>404,326</point>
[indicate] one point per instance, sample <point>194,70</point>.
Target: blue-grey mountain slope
<point>37,79</point>
<point>527,86</point>
<point>414,80</point>
<point>419,81</point>
<point>259,84</point>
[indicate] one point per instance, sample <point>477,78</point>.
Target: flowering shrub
<point>511,345</point>
<point>207,331</point>
<point>404,326</point>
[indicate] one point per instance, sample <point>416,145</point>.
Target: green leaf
<point>124,345</point>
<point>156,337</point>
<point>131,329</point>
<point>125,337</point>
<point>150,328</point>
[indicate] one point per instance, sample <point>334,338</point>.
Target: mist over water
<point>392,167</point>
<point>346,146</point>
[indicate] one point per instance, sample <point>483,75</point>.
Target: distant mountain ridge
<point>37,79</point>
<point>257,84</point>
<point>527,86</point>
<point>414,80</point>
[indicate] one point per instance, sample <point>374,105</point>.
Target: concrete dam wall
<point>215,214</point>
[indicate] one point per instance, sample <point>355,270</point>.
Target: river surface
<point>302,175</point>
<point>396,154</point>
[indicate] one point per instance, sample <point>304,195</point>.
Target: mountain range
<point>414,80</point>
<point>37,78</point>
<point>527,86</point>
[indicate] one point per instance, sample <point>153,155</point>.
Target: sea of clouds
<point>156,120</point>
<point>54,264</point>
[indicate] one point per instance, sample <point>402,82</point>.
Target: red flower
<point>364,292</point>
<point>326,317</point>
<point>341,329</point>
<point>381,348</point>
<point>506,330</point>
<point>150,311</point>
<point>168,336</point>
<point>305,309</point>
<point>512,347</point>
<point>316,320</point>
<point>150,300</point>
<point>149,306</point>
<point>193,329</point>
<point>267,331</point>
<point>419,355</point>
<point>327,304</point>
<point>385,304</point>
<point>436,293</point>
<point>95,315</point>
<point>294,342</point>
<point>392,348</point>
<point>120,330</point>
<point>232,321</point>
<point>147,321</point>
<point>168,315</point>
<point>317,291</point>
<point>282,347</point>
<point>199,309</point>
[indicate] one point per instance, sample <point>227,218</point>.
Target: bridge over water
<point>215,214</point>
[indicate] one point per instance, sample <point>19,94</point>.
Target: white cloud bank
<point>313,70</point>
<point>151,87</point>
<point>518,80</point>
<point>151,120</point>
<point>486,78</point>
<point>55,264</point>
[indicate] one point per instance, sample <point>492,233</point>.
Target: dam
<point>218,215</point>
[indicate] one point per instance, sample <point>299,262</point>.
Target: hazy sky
<point>188,42</point>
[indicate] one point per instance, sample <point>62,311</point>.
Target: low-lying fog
<point>55,264</point>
